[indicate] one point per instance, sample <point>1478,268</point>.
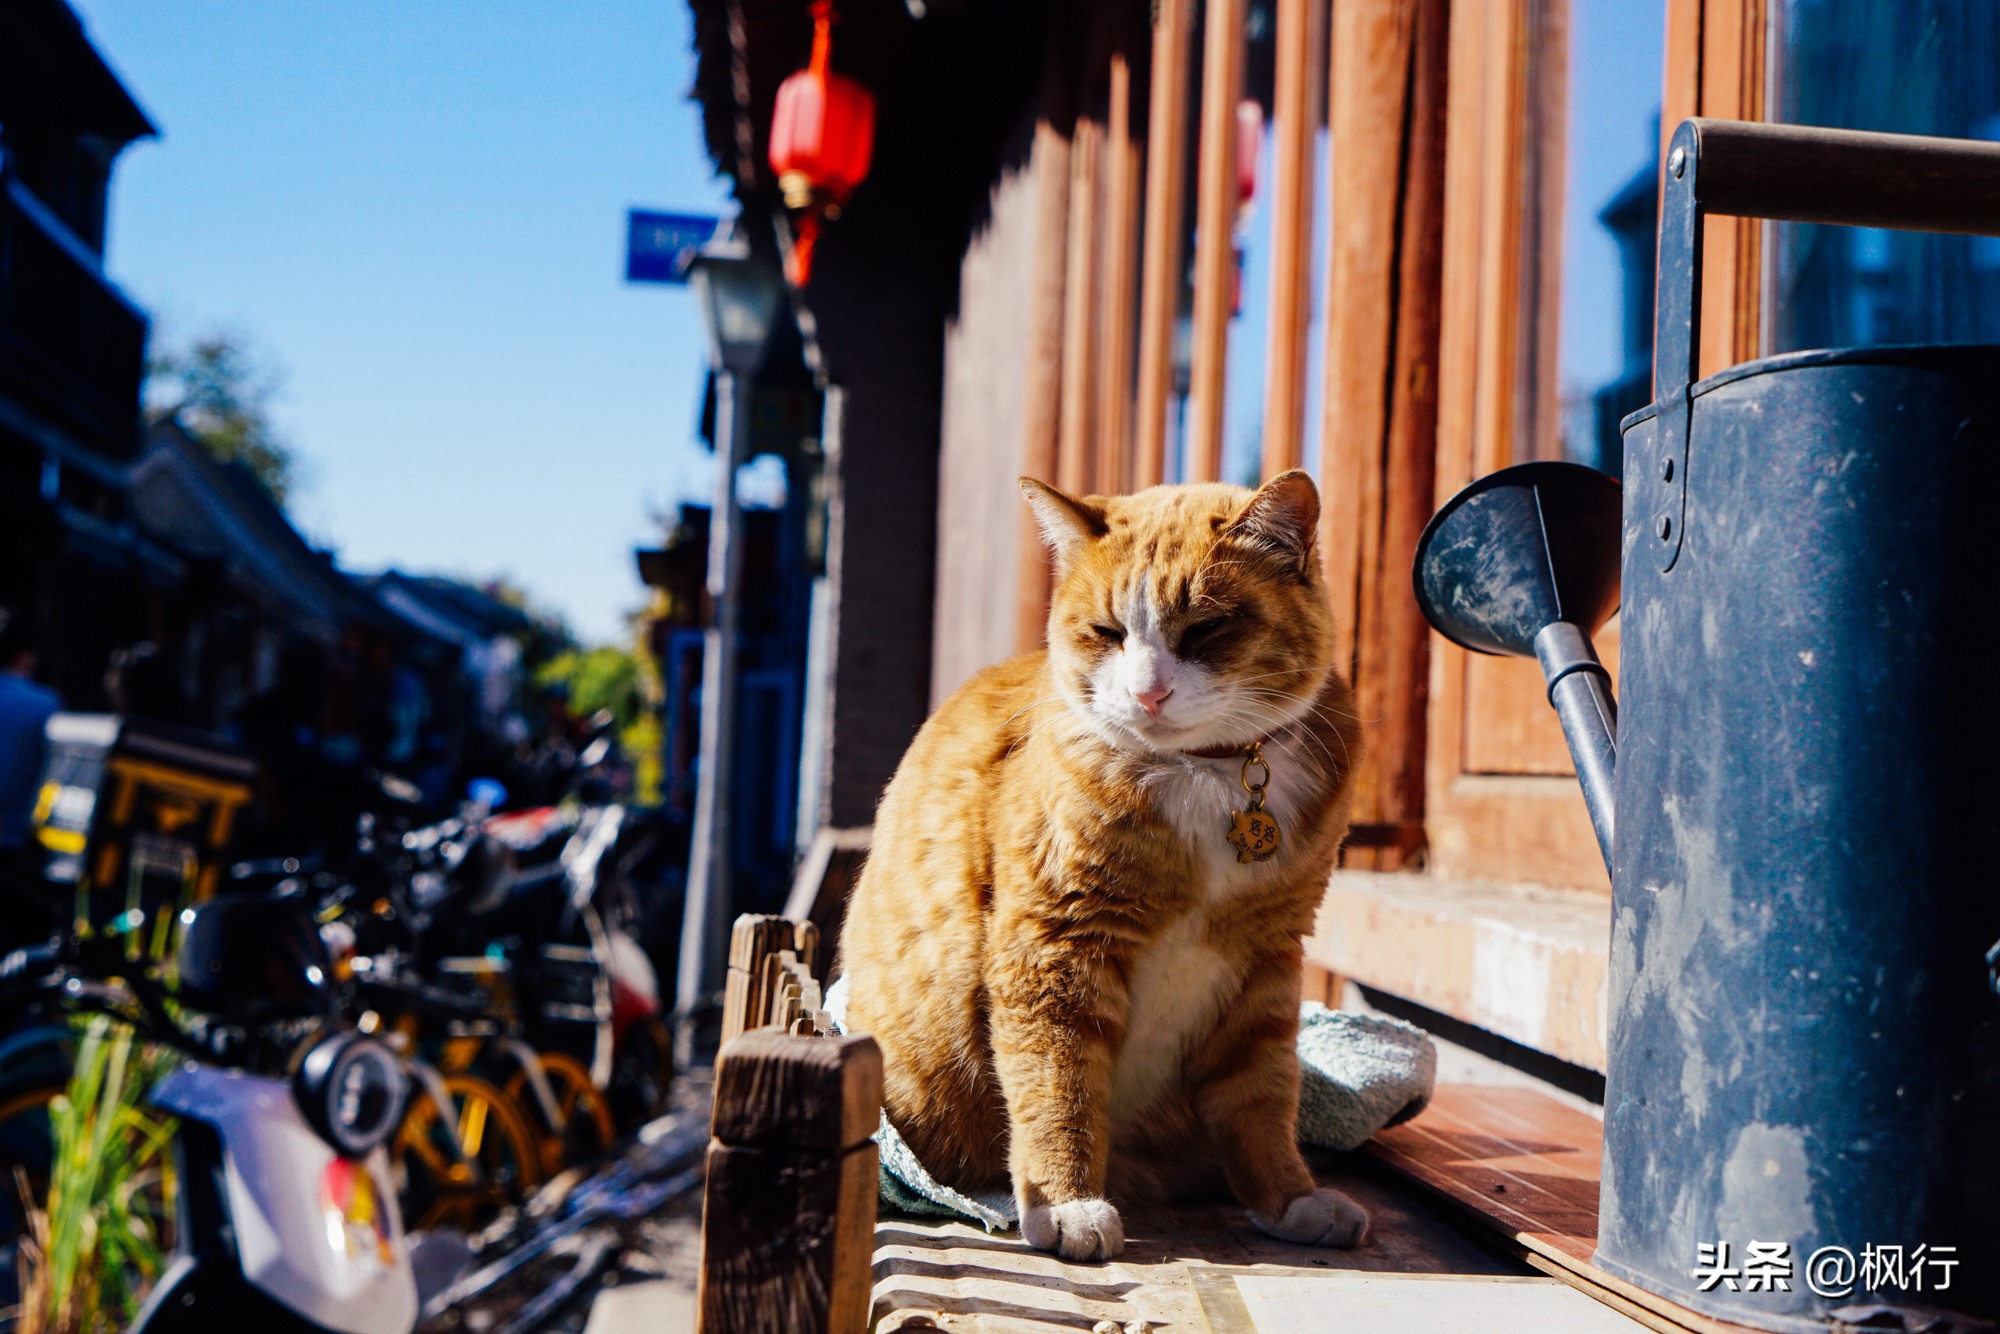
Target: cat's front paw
<point>1323,1218</point>
<point>1079,1230</point>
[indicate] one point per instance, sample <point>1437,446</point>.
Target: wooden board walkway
<point>1205,1269</point>
<point>1525,1166</point>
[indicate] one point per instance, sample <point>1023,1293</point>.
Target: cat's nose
<point>1152,701</point>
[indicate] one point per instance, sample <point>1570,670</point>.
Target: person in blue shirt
<point>25,707</point>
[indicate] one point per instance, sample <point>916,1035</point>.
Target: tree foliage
<point>605,677</point>
<point>221,391</point>
<point>625,680</point>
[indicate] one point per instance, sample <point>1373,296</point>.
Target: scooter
<point>285,1216</point>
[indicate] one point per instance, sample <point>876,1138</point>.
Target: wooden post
<point>1076,464</point>
<point>1120,279</point>
<point>1381,410</point>
<point>757,944</point>
<point>1292,124</point>
<point>1166,189</point>
<point>753,938</point>
<point>1214,235</point>
<point>788,1222</point>
<point>1050,165</point>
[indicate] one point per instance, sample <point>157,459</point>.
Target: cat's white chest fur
<point>1180,983</point>
<point>1198,797</point>
<point>1177,991</point>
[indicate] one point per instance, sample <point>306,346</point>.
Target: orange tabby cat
<point>1077,980</point>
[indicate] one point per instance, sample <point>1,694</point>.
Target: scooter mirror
<point>1519,550</point>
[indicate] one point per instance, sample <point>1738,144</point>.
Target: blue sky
<point>417,211</point>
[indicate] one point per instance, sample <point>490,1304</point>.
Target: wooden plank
<point>788,1218</point>
<point>1319,984</point>
<point>1384,306</point>
<point>786,1240</point>
<point>825,874</point>
<point>746,994</point>
<point>1616,1301</point>
<point>1393,673</point>
<point>1533,396</point>
<point>1526,1166</point>
<point>1076,456</point>
<point>1732,88</point>
<point>773,1092</point>
<point>1367,81</point>
<point>1716,66</point>
<point>1119,278</point>
<point>1292,124</point>
<point>1680,90</point>
<point>1177,1270</point>
<point>1214,235</point>
<point>1042,387</point>
<point>1166,189</point>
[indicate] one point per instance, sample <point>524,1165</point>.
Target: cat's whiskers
<point>1298,727</point>
<point>1332,714</point>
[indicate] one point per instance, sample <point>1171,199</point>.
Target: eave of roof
<point>45,49</point>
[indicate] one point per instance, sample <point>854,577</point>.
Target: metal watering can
<point>1800,806</point>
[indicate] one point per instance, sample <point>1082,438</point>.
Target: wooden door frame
<point>1523,827</point>
<point>1507,827</point>
<point>1717,66</point>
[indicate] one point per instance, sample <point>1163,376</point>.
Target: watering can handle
<point>1788,173</point>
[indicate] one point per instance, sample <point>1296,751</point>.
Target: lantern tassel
<point>798,263</point>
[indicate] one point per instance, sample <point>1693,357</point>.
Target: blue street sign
<point>660,246</point>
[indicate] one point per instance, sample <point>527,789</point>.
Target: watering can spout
<point>1580,691</point>
<point>1524,562</point>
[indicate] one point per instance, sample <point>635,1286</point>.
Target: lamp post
<point>741,294</point>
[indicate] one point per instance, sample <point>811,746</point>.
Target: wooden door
<point>1526,199</point>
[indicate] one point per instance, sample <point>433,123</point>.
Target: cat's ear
<point>1067,523</point>
<point>1282,518</point>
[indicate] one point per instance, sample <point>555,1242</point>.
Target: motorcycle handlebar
<point>439,1001</point>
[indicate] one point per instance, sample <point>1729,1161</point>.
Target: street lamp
<point>741,294</point>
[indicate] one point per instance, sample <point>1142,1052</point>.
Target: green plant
<point>100,1240</point>
<point>624,679</point>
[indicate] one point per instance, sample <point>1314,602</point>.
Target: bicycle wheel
<point>583,1130</point>
<point>500,1164</point>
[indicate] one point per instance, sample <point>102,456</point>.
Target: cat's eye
<point>1202,629</point>
<point>1110,634</point>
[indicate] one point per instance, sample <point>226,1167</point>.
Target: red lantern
<point>822,137</point>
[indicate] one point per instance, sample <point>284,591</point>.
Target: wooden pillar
<point>1380,429</point>
<point>788,1221</point>
<point>1293,121</point>
<point>1214,240</point>
<point>1119,287</point>
<point>1394,640</point>
<point>1076,453</point>
<point>1050,164</point>
<point>1166,189</point>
